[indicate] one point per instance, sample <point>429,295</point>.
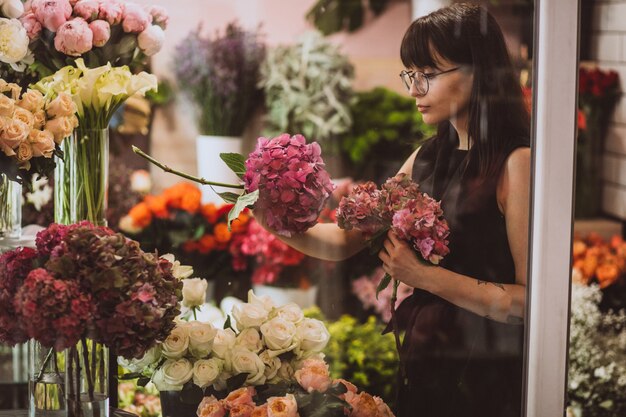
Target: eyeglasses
<point>420,79</point>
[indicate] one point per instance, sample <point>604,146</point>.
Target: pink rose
<point>282,406</point>
<point>260,411</point>
<point>151,40</point>
<point>74,37</point>
<point>159,16</point>
<point>211,407</point>
<point>136,19</point>
<point>101,32</point>
<point>31,24</point>
<point>111,11</point>
<point>87,9</point>
<point>314,375</point>
<point>52,13</point>
<point>239,397</point>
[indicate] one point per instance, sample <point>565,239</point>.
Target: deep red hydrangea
<point>292,181</point>
<point>55,312</point>
<point>14,267</point>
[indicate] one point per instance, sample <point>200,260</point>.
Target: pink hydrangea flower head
<point>74,37</point>
<point>135,19</point>
<point>52,13</point>
<point>292,181</point>
<point>361,209</point>
<point>112,11</point>
<point>101,32</point>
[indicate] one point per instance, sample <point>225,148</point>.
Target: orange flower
<point>222,234</point>
<point>579,248</point>
<point>590,264</point>
<point>190,201</point>
<point>141,215</point>
<point>607,274</point>
<point>206,244</point>
<point>240,223</point>
<point>183,195</point>
<point>209,211</point>
<point>157,205</point>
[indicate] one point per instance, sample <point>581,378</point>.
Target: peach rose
<point>282,406</point>
<point>349,385</point>
<point>24,153</point>
<point>40,119</point>
<point>60,128</point>
<point>32,100</point>
<point>61,106</point>
<point>24,116</point>
<point>14,132</point>
<point>383,409</point>
<point>314,375</point>
<point>241,396</point>
<point>211,407</point>
<point>241,410</point>
<point>259,411</point>
<point>363,405</point>
<point>42,143</point>
<point>7,106</point>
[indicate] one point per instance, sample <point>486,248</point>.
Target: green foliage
<point>351,350</point>
<point>330,16</point>
<point>386,125</point>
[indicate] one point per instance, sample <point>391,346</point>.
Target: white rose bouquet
<point>265,356</point>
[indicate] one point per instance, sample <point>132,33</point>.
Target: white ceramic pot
<point>281,296</point>
<point>211,167</point>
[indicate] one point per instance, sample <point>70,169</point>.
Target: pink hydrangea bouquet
<point>31,131</point>
<point>99,31</point>
<point>267,358</point>
<point>284,177</point>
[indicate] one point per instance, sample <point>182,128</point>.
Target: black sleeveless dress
<point>460,364</point>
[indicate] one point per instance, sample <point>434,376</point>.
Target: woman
<point>464,323</point>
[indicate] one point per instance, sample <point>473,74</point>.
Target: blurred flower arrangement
<point>198,234</point>
<point>597,358</point>
<point>270,364</point>
<point>38,205</point>
<point>364,288</point>
<point>142,401</point>
<point>105,32</point>
<point>220,75</point>
<point>308,88</point>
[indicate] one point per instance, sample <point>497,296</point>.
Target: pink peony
<point>159,16</point>
<point>260,411</point>
<point>241,396</point>
<point>74,37</point>
<point>136,19</point>
<point>52,13</point>
<point>87,9</point>
<point>241,410</point>
<point>292,182</point>
<point>31,24</point>
<point>363,405</point>
<point>282,406</point>
<point>211,407</point>
<point>101,32</point>
<point>314,375</point>
<point>112,11</point>
<point>151,40</point>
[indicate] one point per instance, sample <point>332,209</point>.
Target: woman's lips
<point>422,109</point>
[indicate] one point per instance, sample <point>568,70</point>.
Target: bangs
<point>415,50</point>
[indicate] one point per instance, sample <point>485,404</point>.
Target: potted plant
<point>220,75</point>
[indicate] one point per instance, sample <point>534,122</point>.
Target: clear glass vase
<point>88,160</point>
<point>87,379</point>
<point>10,208</point>
<point>62,194</point>
<point>46,386</point>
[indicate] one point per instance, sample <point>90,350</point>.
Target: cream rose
<point>206,371</point>
<point>290,312</point>
<point>24,116</point>
<point>61,106</point>
<point>264,301</point>
<point>7,106</point>
<point>250,339</point>
<point>223,342</point>
<point>278,335</point>
<point>241,361</point>
<point>282,406</point>
<point>137,365</point>
<point>286,371</point>
<point>194,292</point>
<point>176,344</point>
<point>32,100</point>
<point>272,364</point>
<point>179,271</point>
<point>312,335</point>
<point>42,143</point>
<point>173,374</point>
<point>249,315</point>
<point>201,337</point>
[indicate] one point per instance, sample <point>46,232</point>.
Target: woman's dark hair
<point>467,34</point>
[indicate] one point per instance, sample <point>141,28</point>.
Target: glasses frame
<point>426,76</point>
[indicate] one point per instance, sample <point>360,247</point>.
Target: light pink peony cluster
<point>79,26</point>
<point>30,126</point>
<point>292,181</point>
<point>365,290</point>
<point>400,206</point>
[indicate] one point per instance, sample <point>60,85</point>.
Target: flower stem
<point>396,334</point>
<point>182,174</point>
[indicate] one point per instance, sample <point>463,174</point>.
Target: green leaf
<point>229,197</point>
<point>236,382</point>
<point>143,381</point>
<point>243,201</point>
<point>236,162</point>
<point>383,284</point>
<point>191,393</point>
<point>228,324</point>
<point>130,375</point>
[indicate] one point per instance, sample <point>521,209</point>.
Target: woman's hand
<point>400,261</point>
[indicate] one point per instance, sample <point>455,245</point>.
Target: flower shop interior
<point>136,136</point>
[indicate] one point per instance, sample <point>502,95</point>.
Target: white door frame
<point>554,124</point>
